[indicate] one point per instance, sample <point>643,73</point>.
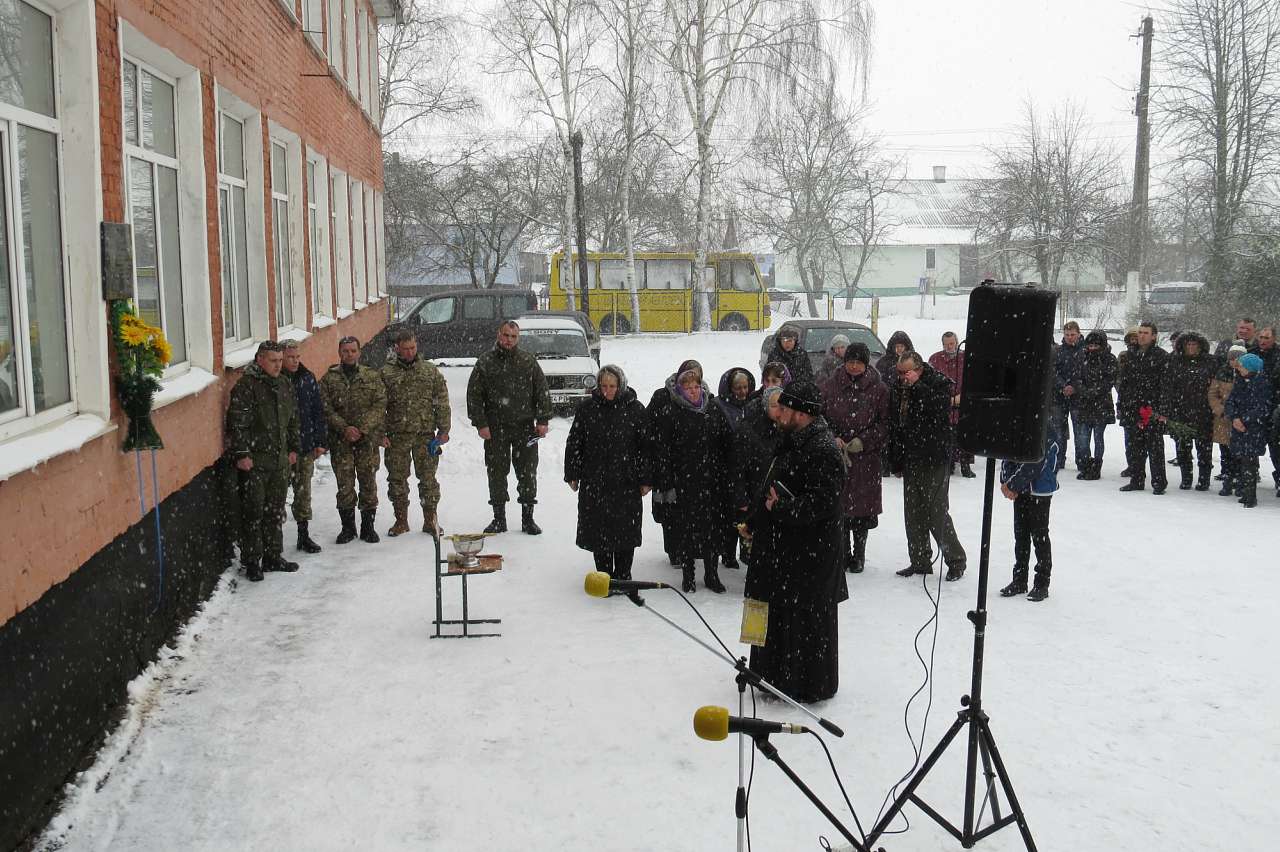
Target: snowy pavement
<point>1135,709</point>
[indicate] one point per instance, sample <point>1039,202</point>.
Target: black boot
<point>954,572</point>
<point>253,572</point>
<point>367,532</point>
<point>1018,586</point>
<point>348,525</point>
<point>278,563</point>
<point>1084,467</point>
<point>1202,481</point>
<point>1250,496</point>
<point>729,560</point>
<point>305,544</point>
<point>526,520</point>
<point>1136,483</point>
<point>499,522</point>
<point>911,572</point>
<point>711,576</point>
<point>1040,590</point>
<point>859,552</point>
<point>1095,470</point>
<point>966,470</point>
<point>1187,481</point>
<point>687,584</point>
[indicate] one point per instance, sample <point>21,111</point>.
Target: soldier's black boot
<point>367,532</point>
<point>305,544</point>
<point>687,584</point>
<point>499,522</point>
<point>278,563</point>
<point>711,575</point>
<point>1018,586</point>
<point>253,572</point>
<point>348,525</point>
<point>859,552</point>
<point>1202,481</point>
<point>526,520</point>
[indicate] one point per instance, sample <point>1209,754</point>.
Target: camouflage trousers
<point>300,481</point>
<point>499,453</point>
<point>262,497</point>
<point>352,463</point>
<point>411,450</point>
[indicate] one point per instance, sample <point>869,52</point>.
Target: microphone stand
<point>747,676</point>
<point>770,751</point>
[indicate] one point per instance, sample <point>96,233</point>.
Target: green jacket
<point>417,397</point>
<point>262,420</point>
<point>507,393</point>
<point>359,401</point>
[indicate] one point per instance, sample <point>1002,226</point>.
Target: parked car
<point>562,350</point>
<point>1167,302</point>
<point>453,324</point>
<point>816,334</point>
<point>593,336</point>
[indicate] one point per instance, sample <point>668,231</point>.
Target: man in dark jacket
<point>1141,377</point>
<point>1065,359</point>
<point>1184,406</point>
<point>312,432</point>
<point>263,440</point>
<point>797,563</point>
<point>920,440</point>
<point>1093,380</point>
<point>788,352</point>
<point>1246,332</point>
<point>949,361</point>
<point>1269,352</point>
<point>509,405</point>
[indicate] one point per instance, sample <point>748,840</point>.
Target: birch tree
<point>419,79</point>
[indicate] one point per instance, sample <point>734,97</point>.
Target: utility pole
<point>576,141</point>
<point>1141,171</point>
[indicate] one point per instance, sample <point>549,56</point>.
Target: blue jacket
<point>311,421</point>
<point>1250,400</point>
<point>1040,478</point>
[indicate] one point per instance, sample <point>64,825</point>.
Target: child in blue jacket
<point>1030,486</point>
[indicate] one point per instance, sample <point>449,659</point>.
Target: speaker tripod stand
<point>974,722</point>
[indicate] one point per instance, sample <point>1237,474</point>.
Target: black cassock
<point>797,565</point>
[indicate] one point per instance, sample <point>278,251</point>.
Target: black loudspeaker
<point>1008,372</point>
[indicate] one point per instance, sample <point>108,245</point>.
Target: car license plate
<point>562,396</point>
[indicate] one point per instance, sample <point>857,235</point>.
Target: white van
<point>561,347</point>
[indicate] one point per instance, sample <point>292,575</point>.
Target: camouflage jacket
<point>508,393</point>
<point>359,401</point>
<point>417,397</point>
<point>262,420</point>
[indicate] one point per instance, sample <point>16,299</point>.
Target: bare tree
<point>1220,102</point>
<point>1054,191</point>
<point>419,73</point>
<point>658,211</point>
<point>549,44</point>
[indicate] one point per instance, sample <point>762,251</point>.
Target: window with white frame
<point>35,358</point>
<point>359,280</point>
<point>280,234</point>
<point>333,12</point>
<point>380,231</point>
<point>312,25</point>
<point>349,14</point>
<point>151,179</point>
<point>371,75</point>
<point>317,236</point>
<point>371,243</point>
<point>233,229</point>
<point>362,53</point>
<point>341,230</point>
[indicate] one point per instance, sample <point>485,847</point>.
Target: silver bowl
<point>467,546</point>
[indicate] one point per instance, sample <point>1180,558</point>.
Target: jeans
<point>1090,434</point>
<point>1031,527</point>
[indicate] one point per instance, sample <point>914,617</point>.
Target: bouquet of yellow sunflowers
<point>141,354</point>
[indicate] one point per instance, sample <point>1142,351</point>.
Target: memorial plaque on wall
<point>117,261</point>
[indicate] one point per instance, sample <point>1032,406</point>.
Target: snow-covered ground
<point>1136,708</point>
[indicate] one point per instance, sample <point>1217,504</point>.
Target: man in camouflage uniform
<point>306,395</point>
<point>417,424</point>
<point>262,437</point>
<point>508,403</point>
<point>355,403</point>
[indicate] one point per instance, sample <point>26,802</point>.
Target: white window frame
<point>333,34</point>
<point>381,234</point>
<point>349,16</point>
<point>318,237</point>
<point>293,258</point>
<point>341,229</point>
<point>359,277</point>
<point>192,224</point>
<point>371,245</point>
<point>313,22</point>
<point>374,76</point>
<point>289,9</point>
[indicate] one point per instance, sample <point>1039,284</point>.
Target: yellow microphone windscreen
<point>596,584</point>
<point>711,723</point>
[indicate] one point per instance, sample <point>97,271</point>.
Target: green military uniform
<point>300,474</point>
<point>508,394</point>
<point>417,409</point>
<point>354,397</point>
<point>262,425</point>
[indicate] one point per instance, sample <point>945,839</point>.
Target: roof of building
<point>929,212</point>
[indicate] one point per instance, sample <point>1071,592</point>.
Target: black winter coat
<point>1140,377</point>
<point>887,364</point>
<point>306,391</point>
<point>1184,393</point>
<point>753,444</point>
<point>796,361</point>
<point>1093,379</point>
<point>731,407</point>
<point>692,451</point>
<point>797,549</point>
<point>919,421</point>
<point>608,455</point>
<point>1064,367</point>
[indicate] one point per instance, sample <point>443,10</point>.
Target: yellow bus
<point>664,284</point>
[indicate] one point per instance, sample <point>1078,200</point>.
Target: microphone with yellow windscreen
<point>715,724</point>
<point>711,723</point>
<point>596,584</point>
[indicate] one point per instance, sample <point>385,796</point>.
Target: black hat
<point>802,396</point>
<point>1095,337</point>
<point>858,352</point>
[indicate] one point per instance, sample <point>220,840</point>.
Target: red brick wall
<point>61,513</point>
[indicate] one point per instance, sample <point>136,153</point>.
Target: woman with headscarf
<point>737,389</point>
<point>606,460</point>
<point>1219,390</point>
<point>691,475</point>
<point>887,364</point>
<point>834,359</point>
<point>788,352</point>
<point>857,410</point>
<point>658,405</point>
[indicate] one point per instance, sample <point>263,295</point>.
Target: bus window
<point>570,281</point>
<point>613,274</point>
<point>739,275</point>
<point>667,274</point>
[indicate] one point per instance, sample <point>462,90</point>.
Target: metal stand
<point>466,621</point>
<point>980,741</point>
<point>771,752</point>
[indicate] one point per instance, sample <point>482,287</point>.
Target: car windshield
<point>819,339</point>
<point>554,343</point>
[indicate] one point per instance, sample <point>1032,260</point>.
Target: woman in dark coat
<point>691,475</point>
<point>658,404</point>
<point>754,441</point>
<point>887,365</point>
<point>736,393</point>
<point>1184,406</point>
<point>856,403</point>
<point>788,352</point>
<point>1094,378</point>
<point>797,553</point>
<point>1249,410</point>
<point>606,460</point>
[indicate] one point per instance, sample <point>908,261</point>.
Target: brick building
<point>239,140</point>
